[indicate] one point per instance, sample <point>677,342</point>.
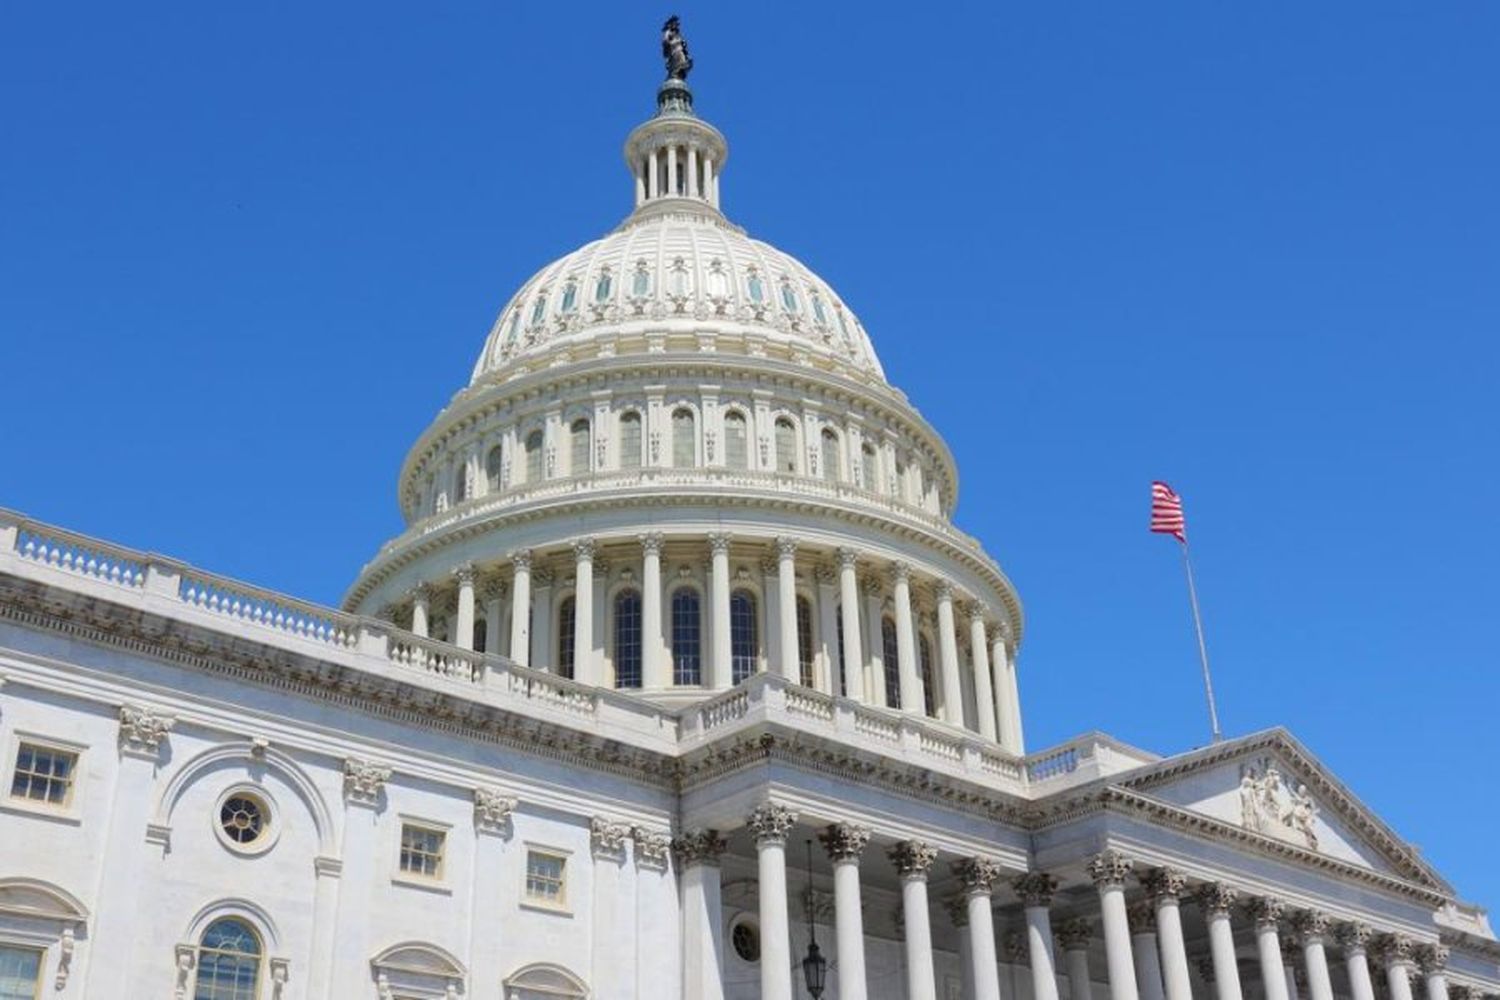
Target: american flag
<point>1166,512</point>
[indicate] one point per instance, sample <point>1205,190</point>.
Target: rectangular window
<point>20,973</point>
<point>44,774</point>
<point>545,877</point>
<point>422,851</point>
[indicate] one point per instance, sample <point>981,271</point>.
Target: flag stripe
<point>1166,512</point>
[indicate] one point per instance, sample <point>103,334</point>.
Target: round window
<point>244,821</point>
<point>746,940</point>
<point>242,818</point>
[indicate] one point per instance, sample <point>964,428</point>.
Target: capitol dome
<point>679,463</point>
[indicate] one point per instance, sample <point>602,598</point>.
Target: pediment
<point>31,898</point>
<point>1269,785</point>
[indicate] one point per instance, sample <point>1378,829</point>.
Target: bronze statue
<point>674,50</point>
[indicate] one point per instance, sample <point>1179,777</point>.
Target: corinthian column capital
<point>844,841</point>
<point>1217,898</point>
<point>1109,869</point>
<point>1355,937</point>
<point>977,874</point>
<point>1035,889</point>
<point>771,823</point>
<point>912,858</point>
<point>1164,883</point>
<point>786,548</point>
<point>1312,925</point>
<point>1267,911</point>
<point>1074,934</point>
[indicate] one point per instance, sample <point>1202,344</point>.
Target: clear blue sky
<point>247,253</point>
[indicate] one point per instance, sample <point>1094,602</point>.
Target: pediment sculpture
<point>1269,805</point>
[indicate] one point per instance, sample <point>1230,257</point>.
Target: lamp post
<point>814,966</point>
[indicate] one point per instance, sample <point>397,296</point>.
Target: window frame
<point>639,456</point>
<point>70,809</point>
<point>34,948</point>
<point>559,904</point>
<point>437,882</point>
<point>270,832</point>
<point>262,958</point>
<point>739,660</point>
<point>617,627</point>
<point>693,591</point>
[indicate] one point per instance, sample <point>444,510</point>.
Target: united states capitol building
<point>679,663</point>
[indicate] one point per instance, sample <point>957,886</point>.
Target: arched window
<point>805,643</point>
<point>832,466</point>
<point>628,639</point>
<point>924,656</point>
<point>687,637</point>
<point>578,447</point>
<point>630,440</point>
<point>461,483</point>
<point>868,468</point>
<point>743,648</point>
<point>684,442</point>
<point>786,447</point>
<point>228,962</point>
<point>534,457</point>
<point>736,441</point>
<point>891,660</point>
<point>567,621</point>
<point>492,466</point>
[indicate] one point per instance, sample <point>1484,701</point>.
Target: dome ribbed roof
<point>664,267</point>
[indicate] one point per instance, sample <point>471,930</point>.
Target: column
<point>612,906</point>
<point>978,878</point>
<point>464,627</point>
<point>1355,939</point>
<point>1432,961</point>
<point>671,171</point>
<point>520,607</point>
<point>654,673</point>
<point>653,184</point>
<point>640,186</point>
<point>786,596</point>
<point>1215,900</point>
<point>912,698</point>
<point>1396,954</point>
<point>957,908</point>
<point>874,647</point>
<point>710,181</point>
<point>1165,886</point>
<point>951,705</point>
<point>1267,912</point>
<point>984,695</point>
<point>1142,918</point>
<point>844,843</point>
<point>854,661</point>
<point>1007,711</point>
<point>692,172</point>
<point>1035,890</point>
<point>1109,871</point>
<point>720,670</point>
<point>421,600</point>
<point>585,667</point>
<point>770,824</point>
<point>1312,927</point>
<point>698,853</point>
<point>1074,936</point>
<point>913,860</point>
<point>492,592</point>
<point>830,677</point>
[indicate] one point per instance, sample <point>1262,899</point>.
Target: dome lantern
<point>676,158</point>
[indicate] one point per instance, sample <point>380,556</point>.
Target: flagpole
<point>1208,683</point>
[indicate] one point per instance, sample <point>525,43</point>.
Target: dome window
<point>570,297</point>
<point>843,325</point>
<point>515,326</point>
<point>603,286</point>
<point>539,310</point>
<point>789,297</point>
<point>641,284</point>
<point>717,281</point>
<point>757,288</point>
<point>818,313</point>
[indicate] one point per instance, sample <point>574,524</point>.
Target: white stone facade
<point>751,645</point>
